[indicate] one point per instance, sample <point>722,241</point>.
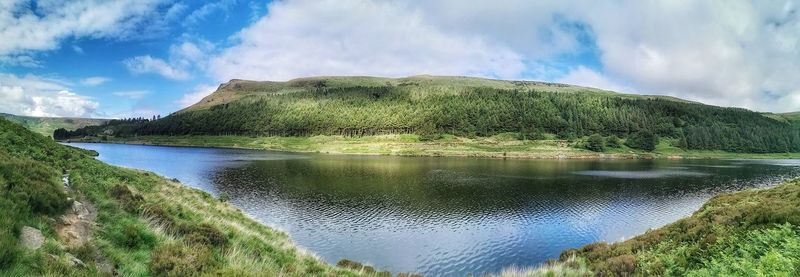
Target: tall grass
<point>146,225</point>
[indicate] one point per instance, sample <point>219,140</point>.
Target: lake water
<point>450,216</point>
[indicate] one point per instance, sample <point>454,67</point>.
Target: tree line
<point>471,112</point>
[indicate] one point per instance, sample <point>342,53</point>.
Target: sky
<point>132,58</point>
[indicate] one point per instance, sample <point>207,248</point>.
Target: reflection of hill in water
<point>502,211</point>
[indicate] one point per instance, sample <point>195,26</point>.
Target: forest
<point>318,108</point>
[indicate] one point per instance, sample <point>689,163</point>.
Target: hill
<point>433,107</point>
<point>46,125</point>
<point>138,224</point>
<point>67,214</point>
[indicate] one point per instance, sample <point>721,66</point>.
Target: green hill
<point>433,107</point>
<point>140,224</point>
<point>66,214</point>
<point>46,125</point>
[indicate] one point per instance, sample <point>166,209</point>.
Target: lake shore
<point>497,147</point>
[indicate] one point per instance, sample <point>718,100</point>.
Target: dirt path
<point>75,227</point>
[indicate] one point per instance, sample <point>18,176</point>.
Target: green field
<point>498,146</point>
<point>46,125</point>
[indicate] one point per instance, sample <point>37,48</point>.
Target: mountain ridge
<point>239,84</point>
<point>435,106</point>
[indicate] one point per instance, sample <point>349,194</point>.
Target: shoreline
<point>487,148</point>
<point>543,267</point>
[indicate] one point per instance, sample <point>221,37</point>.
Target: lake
<point>449,216</point>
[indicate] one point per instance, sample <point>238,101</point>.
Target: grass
<point>571,267</point>
<point>499,146</point>
<point>146,225</point>
<point>749,233</point>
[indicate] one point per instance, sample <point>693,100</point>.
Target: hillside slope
<point>46,125</point>
<point>748,233</point>
<point>67,214</point>
<point>466,107</point>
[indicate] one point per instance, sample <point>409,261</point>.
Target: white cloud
<point>195,95</point>
<point>22,60</point>
<point>306,38</point>
<point>183,58</point>
<point>148,64</point>
<point>135,112</point>
<point>188,54</point>
<point>732,53</point>
<point>36,96</point>
<point>131,94</point>
<point>77,49</point>
<point>587,77</point>
<point>94,81</point>
<point>720,52</point>
<point>22,29</point>
<point>204,11</point>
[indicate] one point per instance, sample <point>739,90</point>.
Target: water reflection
<point>450,216</point>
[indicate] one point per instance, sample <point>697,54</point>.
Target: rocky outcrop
<point>75,226</point>
<point>31,238</point>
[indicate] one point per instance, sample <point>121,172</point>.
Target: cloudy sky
<point>146,57</point>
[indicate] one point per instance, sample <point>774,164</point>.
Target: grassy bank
<point>749,233</point>
<point>498,146</point>
<point>100,220</point>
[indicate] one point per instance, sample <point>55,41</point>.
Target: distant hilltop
<point>432,106</point>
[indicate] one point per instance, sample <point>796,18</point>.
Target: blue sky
<point>95,66</point>
<point>140,58</point>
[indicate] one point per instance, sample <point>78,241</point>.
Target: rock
<point>106,267</point>
<point>76,225</point>
<point>73,261</point>
<point>31,238</point>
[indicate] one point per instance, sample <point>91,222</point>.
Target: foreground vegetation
<point>47,125</point>
<point>472,108</point>
<point>101,220</point>
<point>749,233</point>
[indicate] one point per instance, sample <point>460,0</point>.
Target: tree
<point>596,143</point>
<point>644,140</point>
<point>60,134</point>
<point>613,141</point>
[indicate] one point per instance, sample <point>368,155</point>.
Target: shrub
<point>644,140</point>
<point>345,263</point>
<point>613,141</point>
<point>179,260</point>
<point>430,137</point>
<point>531,135</point>
<point>157,213</point>
<point>595,143</point>
<point>623,265</point>
<point>132,235</point>
<point>130,201</point>
<point>224,197</point>
<point>204,234</point>
<point>8,248</point>
<point>33,184</point>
